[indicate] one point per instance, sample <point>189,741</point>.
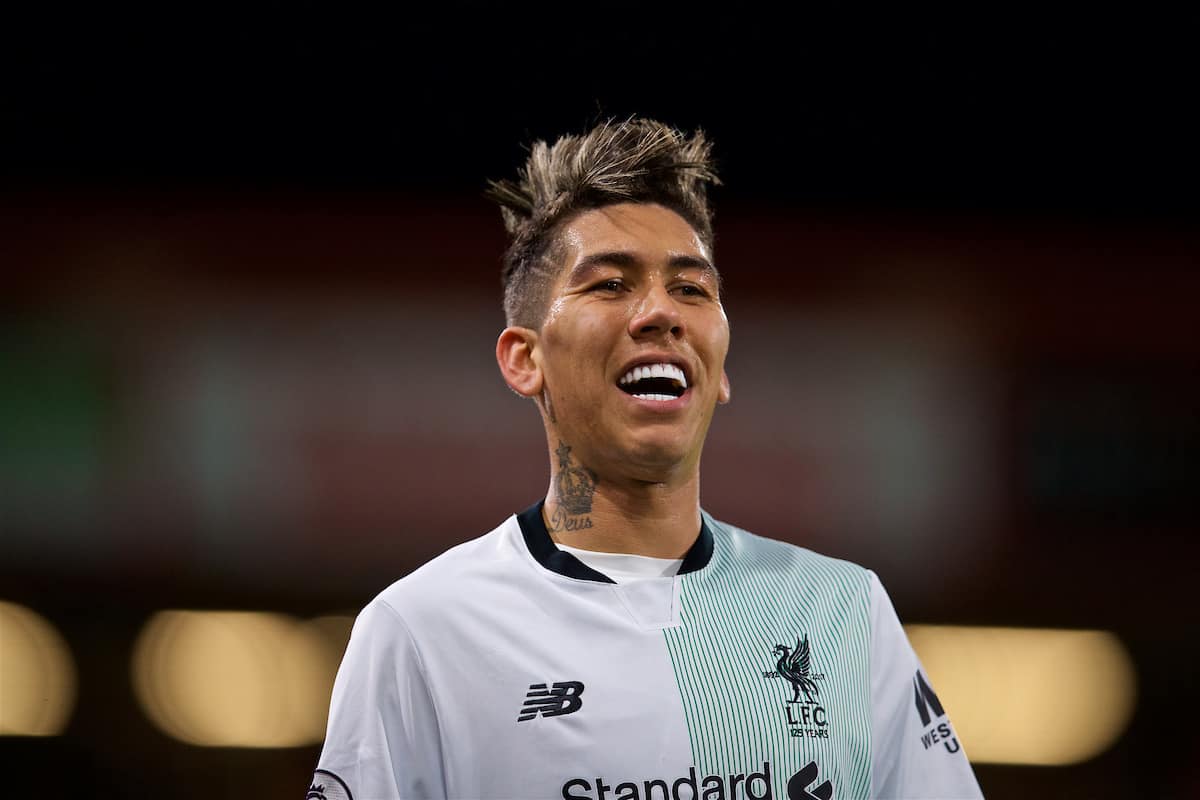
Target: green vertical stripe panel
<point>756,594</point>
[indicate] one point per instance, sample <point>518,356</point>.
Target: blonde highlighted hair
<point>634,161</point>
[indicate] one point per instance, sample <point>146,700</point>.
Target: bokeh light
<point>1026,696</point>
<point>37,675</point>
<point>236,678</point>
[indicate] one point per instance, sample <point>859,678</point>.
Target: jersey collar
<point>542,548</point>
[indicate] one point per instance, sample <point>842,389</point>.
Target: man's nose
<point>656,313</point>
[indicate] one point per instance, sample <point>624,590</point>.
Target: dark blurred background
<point>252,292</point>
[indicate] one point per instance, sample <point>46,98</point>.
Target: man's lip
<point>674,404</point>
<point>658,359</point>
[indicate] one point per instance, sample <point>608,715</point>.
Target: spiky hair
<point>637,160</point>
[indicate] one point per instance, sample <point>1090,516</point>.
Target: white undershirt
<point>623,567</point>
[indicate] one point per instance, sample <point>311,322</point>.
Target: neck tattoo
<point>574,487</point>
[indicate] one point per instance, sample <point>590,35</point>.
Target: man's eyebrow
<point>693,262</point>
<point>622,258</point>
<point>702,264</point>
<point>615,258</point>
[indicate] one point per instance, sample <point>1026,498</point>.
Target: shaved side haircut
<point>634,161</point>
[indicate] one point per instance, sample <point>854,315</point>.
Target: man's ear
<point>725,392</point>
<point>515,353</point>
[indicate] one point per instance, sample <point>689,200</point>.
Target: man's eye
<point>613,285</point>
<point>691,290</point>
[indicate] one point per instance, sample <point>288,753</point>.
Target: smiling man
<point>613,641</point>
<point>627,366</point>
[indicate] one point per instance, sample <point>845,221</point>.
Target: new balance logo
<point>561,698</point>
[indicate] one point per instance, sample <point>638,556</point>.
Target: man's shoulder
<point>751,549</point>
<point>453,576</point>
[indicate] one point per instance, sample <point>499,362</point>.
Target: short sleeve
<point>382,741</point>
<point>915,752</point>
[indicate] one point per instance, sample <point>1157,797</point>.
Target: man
<point>613,641</point>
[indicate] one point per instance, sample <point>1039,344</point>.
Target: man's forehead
<point>643,230</point>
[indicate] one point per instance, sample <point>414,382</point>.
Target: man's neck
<point>639,518</point>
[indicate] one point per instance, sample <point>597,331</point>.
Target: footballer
<point>613,641</point>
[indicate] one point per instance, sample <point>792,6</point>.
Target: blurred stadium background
<point>246,373</point>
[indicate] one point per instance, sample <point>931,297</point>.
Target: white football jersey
<point>506,668</point>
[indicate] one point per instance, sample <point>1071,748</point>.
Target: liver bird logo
<point>796,666</point>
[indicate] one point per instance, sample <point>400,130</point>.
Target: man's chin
<point>657,459</point>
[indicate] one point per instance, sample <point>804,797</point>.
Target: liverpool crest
<point>805,718</point>
<point>795,665</point>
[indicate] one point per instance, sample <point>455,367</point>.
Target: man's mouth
<point>654,382</point>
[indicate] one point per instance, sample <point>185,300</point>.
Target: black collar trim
<point>542,548</point>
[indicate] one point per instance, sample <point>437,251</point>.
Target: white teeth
<point>654,371</point>
<point>662,397</point>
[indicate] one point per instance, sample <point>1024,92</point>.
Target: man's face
<point>632,350</point>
